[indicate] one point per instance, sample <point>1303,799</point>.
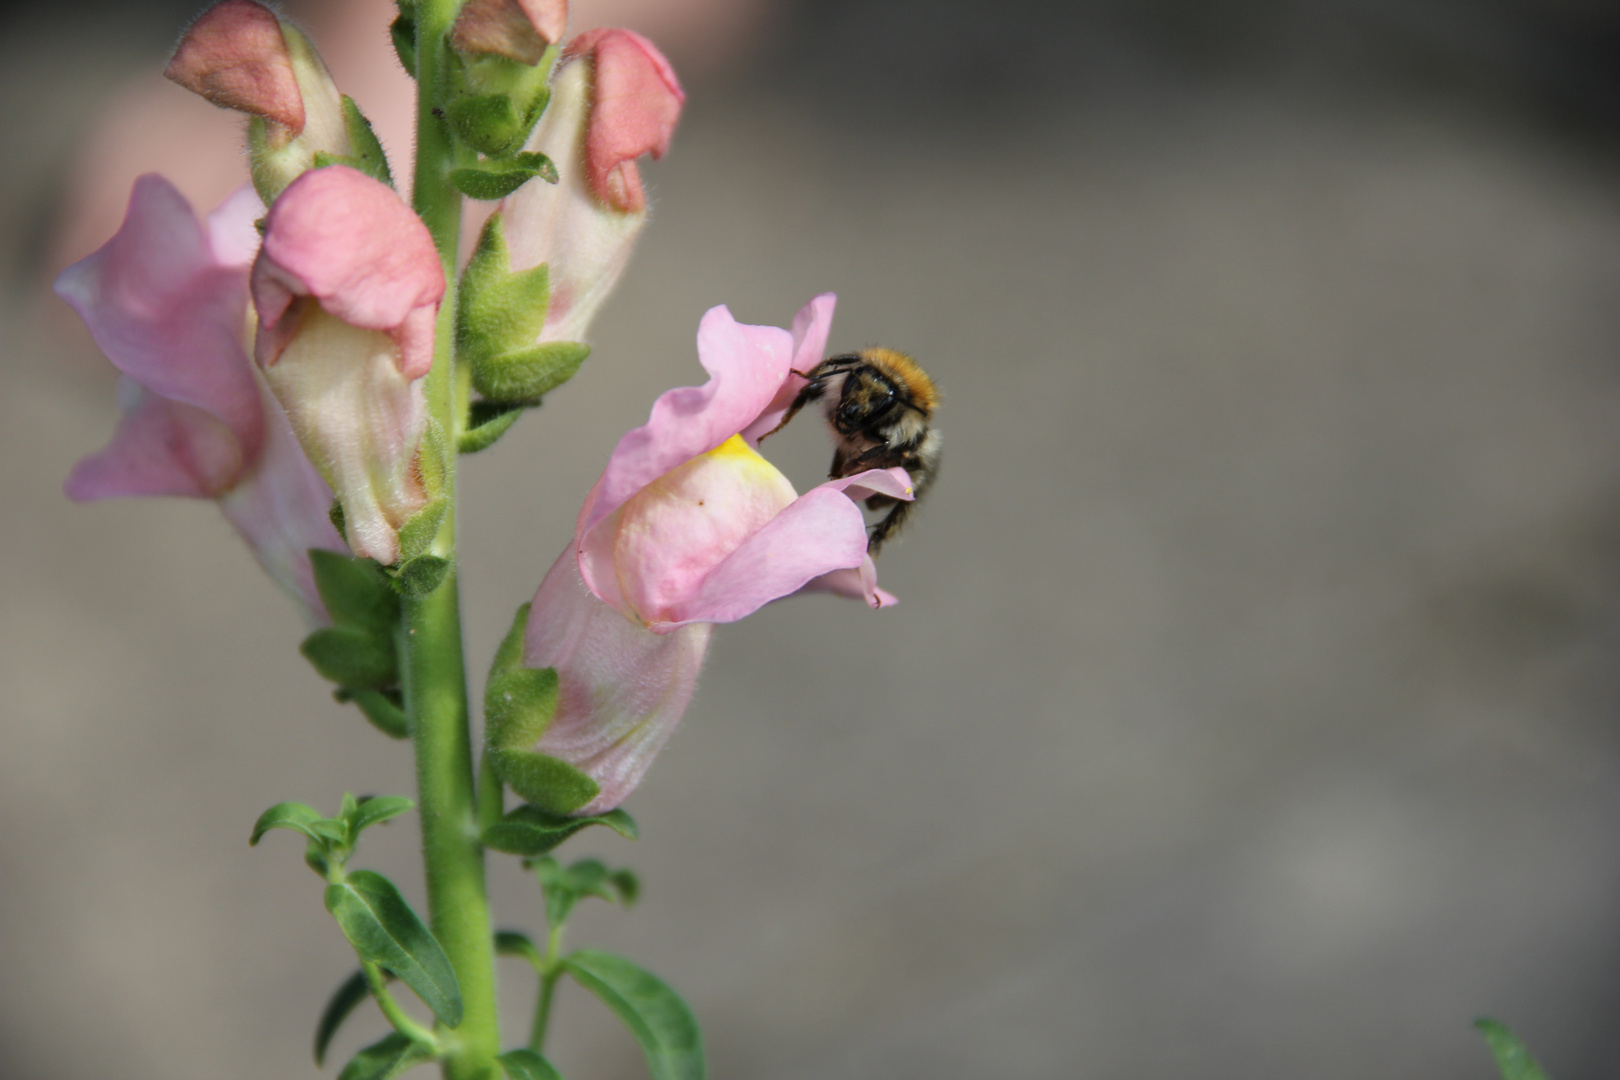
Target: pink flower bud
<point>347,285</point>
<point>516,29</point>
<point>636,101</point>
<point>166,299</point>
<point>614,98</point>
<point>689,526</point>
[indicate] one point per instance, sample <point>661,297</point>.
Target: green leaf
<point>498,178</point>
<point>385,1058</point>
<point>513,943</point>
<point>488,420</point>
<point>403,32</point>
<point>1512,1056</point>
<point>351,657</point>
<point>518,706</point>
<point>529,373</point>
<point>531,831</point>
<point>527,1065</point>
<point>334,832</point>
<point>418,534</point>
<point>381,707</point>
<point>355,592</point>
<point>343,1002</point>
<point>418,577</point>
<point>498,311</point>
<point>550,783</point>
<point>627,885</point>
<point>375,811</point>
<point>654,1013</point>
<point>287,815</point>
<point>382,928</point>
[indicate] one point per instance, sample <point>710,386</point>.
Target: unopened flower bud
<point>347,284</point>
<point>515,29</point>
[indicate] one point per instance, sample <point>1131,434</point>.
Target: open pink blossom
<point>166,299</point>
<point>347,285</point>
<point>687,527</point>
<point>613,98</point>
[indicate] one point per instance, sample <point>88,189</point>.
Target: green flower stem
<point>402,1021</point>
<point>434,669</point>
<point>551,970</point>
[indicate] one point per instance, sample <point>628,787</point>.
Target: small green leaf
<point>531,831</point>
<point>385,1058</point>
<point>513,943</point>
<point>403,32</point>
<point>355,592</point>
<point>518,707</point>
<point>1512,1056</point>
<point>381,707</point>
<point>420,576</point>
<point>498,178</point>
<point>287,815</point>
<point>550,783</point>
<point>418,534</point>
<point>344,1001</point>
<point>331,830</point>
<point>377,810</point>
<point>528,373</point>
<point>627,885</point>
<point>382,928</point>
<point>351,657</point>
<point>655,1014</point>
<point>488,420</point>
<point>527,1065</point>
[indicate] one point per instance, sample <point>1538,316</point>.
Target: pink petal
<point>859,583</point>
<point>516,29</point>
<point>746,366</point>
<point>234,55</point>
<point>820,532</point>
<point>811,328</point>
<point>348,241</point>
<point>637,103</point>
<point>167,312</point>
<point>622,688</point>
<point>161,447</point>
<point>232,238</point>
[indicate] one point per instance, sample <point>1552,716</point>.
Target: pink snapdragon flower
<point>166,299</point>
<point>689,526</point>
<point>614,97</point>
<point>347,286</point>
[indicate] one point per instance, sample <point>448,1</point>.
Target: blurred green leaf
<point>380,707</point>
<point>376,810</point>
<point>1512,1056</point>
<point>532,831</point>
<point>351,657</point>
<point>514,943</point>
<point>385,1058</point>
<point>287,815</point>
<point>355,592</point>
<point>382,928</point>
<point>527,1065</point>
<point>343,1002</point>
<point>655,1014</point>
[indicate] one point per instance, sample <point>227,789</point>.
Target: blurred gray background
<point>1251,710</point>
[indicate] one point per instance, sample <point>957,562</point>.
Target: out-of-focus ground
<point>1251,710</point>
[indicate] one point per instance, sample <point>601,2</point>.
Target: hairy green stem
<point>550,971</point>
<point>434,668</point>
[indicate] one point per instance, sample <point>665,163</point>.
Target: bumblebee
<point>880,406</point>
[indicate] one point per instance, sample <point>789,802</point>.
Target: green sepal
<point>514,943</point>
<point>374,811</point>
<point>509,654</point>
<point>527,1065</point>
<point>367,156</point>
<point>356,592</point>
<point>416,536</point>
<point>655,1014</point>
<point>531,831</point>
<point>518,707</point>
<point>418,577</point>
<point>499,177</point>
<point>496,310</point>
<point>403,33</point>
<point>383,929</point>
<point>287,815</point>
<point>352,657</point>
<point>527,374</point>
<point>386,1058</point>
<point>381,707</point>
<point>1513,1058</point>
<point>334,513</point>
<point>549,783</point>
<point>489,123</point>
<point>345,999</point>
<point>487,421</point>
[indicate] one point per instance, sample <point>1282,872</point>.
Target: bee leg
<point>811,392</point>
<point>887,527</point>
